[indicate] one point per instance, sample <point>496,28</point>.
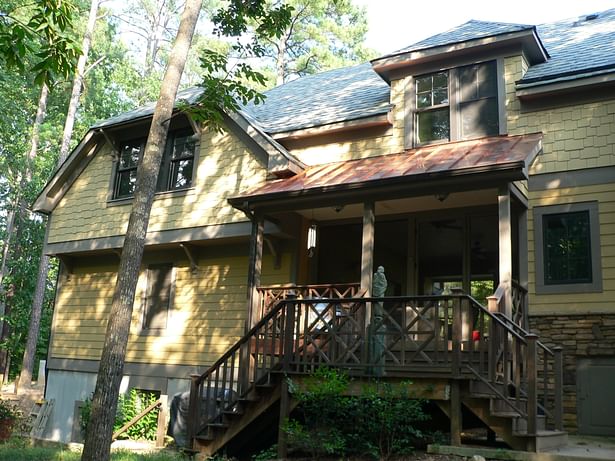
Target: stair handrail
<point>227,400</point>
<point>531,340</point>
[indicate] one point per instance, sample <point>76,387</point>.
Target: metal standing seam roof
<point>464,157</point>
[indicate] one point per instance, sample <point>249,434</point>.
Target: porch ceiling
<point>458,164</point>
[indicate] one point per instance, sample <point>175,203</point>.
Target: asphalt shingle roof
<point>341,94</point>
<point>470,30</point>
<point>577,46</point>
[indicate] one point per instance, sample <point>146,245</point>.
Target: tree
<point>219,92</point>
<point>27,364</point>
<point>321,35</point>
<point>44,29</point>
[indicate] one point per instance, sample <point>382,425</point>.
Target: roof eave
<point>347,193</point>
<point>528,39</point>
<point>564,83</point>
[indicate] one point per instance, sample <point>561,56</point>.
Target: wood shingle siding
<point>207,314</point>
<point>225,167</point>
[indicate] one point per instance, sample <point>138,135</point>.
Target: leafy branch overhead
<point>38,37</point>
<point>227,82</point>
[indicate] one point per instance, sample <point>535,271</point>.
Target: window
<point>176,169</point>
<point>432,107</point>
<point>460,103</point>
<point>158,297</point>
<point>567,245</point>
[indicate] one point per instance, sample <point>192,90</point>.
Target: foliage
<point>18,449</point>
<point>227,84</point>
<point>267,454</point>
<point>321,35</point>
<point>42,29</point>
<point>128,407</point>
<point>383,416</point>
<point>8,410</point>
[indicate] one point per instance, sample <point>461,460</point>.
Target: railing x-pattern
<point>433,336</point>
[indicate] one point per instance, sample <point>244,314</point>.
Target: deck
<point>477,353</point>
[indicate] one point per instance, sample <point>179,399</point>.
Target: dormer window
<point>456,104</point>
<point>176,169</point>
<point>432,108</point>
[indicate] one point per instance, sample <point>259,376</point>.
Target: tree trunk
<point>27,364</point>
<point>104,402</point>
<point>12,218</point>
<point>280,62</point>
<point>78,83</point>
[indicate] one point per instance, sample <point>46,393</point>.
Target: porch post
<point>523,248</point>
<point>367,253</point>
<point>505,246</point>
<point>367,270</point>
<point>254,270</point>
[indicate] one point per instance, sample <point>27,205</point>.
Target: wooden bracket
<point>191,254</point>
<point>67,264</point>
<point>274,246</point>
<point>115,151</point>
<point>196,127</point>
<point>117,252</point>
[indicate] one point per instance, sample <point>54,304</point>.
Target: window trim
<point>112,200</point>
<point>143,331</point>
<point>595,286</point>
<point>410,125</point>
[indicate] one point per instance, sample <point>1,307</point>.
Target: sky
<point>395,24</point>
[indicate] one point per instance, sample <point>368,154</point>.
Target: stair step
<point>549,440</point>
<point>519,425</point>
<point>204,437</point>
<point>218,425</point>
<point>498,405</point>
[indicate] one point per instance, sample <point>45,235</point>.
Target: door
<point>595,403</point>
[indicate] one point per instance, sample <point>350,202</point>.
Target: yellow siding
<point>578,303</point>
<point>225,168</point>
<point>575,136</point>
<point>208,312</point>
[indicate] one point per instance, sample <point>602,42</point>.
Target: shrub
<point>381,421</point>
<point>129,406</point>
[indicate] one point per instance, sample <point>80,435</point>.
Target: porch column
<point>367,249</point>
<point>523,248</point>
<point>505,246</point>
<point>254,270</point>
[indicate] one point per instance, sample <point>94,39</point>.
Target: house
<point>476,166</point>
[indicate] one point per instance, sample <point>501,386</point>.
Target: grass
<point>18,450</point>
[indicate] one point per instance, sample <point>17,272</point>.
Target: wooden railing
<point>539,370</point>
<point>270,295</point>
<point>432,336</point>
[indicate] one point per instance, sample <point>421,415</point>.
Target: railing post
<point>492,305</point>
<point>161,429</point>
<point>193,410</point>
<point>532,387</point>
<point>289,328</point>
<point>558,387</point>
<point>457,337</point>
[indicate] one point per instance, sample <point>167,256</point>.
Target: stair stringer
<point>261,400</point>
<point>501,425</point>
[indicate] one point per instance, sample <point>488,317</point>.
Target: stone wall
<point>581,336</point>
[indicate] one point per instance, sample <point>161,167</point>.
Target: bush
<point>129,406</point>
<point>380,422</point>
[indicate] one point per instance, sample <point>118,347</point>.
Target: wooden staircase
<point>494,368</point>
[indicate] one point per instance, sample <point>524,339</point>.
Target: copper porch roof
<point>450,159</point>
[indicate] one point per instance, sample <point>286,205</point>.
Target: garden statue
<point>377,328</point>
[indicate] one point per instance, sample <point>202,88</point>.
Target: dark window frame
<point>543,286</point>
<point>457,102</point>
<point>164,177</point>
<point>146,304</point>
